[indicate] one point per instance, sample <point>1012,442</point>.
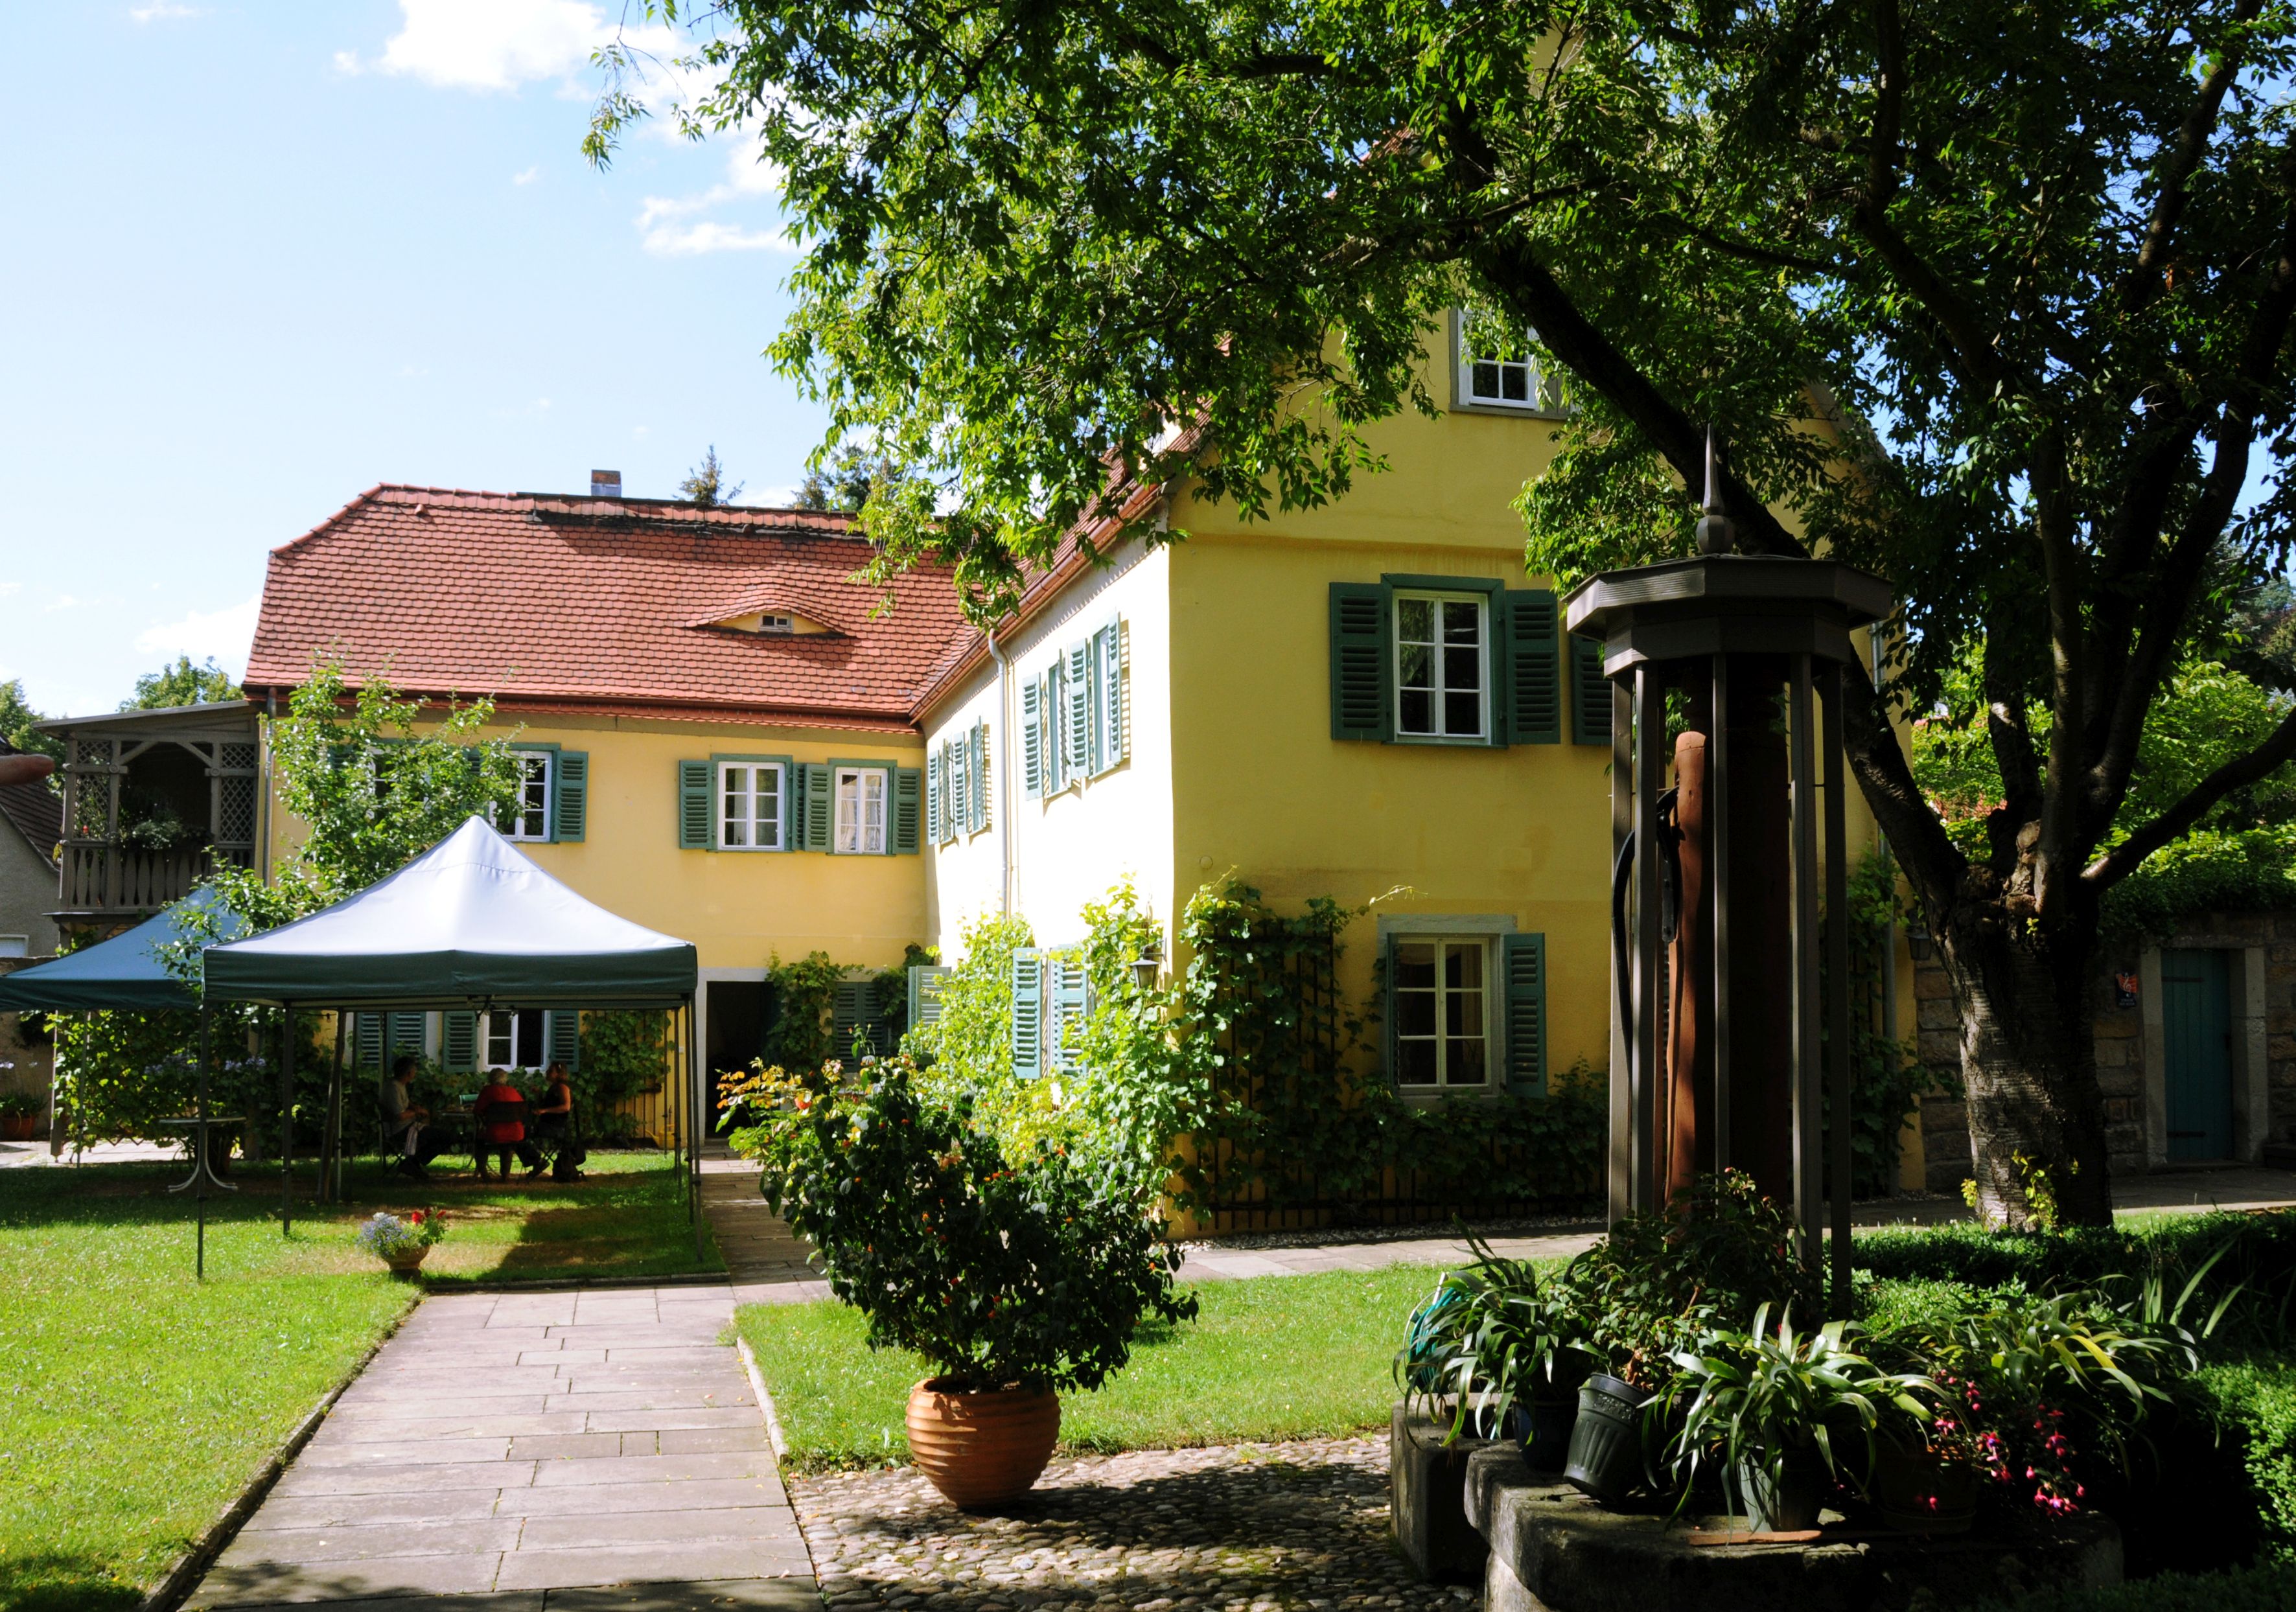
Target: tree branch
<point>2149,277</point>
<point>2124,858</point>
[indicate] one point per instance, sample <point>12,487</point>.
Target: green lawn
<point>1277,1357</point>
<point>135,1402</point>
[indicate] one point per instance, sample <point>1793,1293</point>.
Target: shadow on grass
<point>56,1581</point>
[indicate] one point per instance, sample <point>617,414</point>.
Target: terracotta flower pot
<point>981,1449</point>
<point>20,1127</point>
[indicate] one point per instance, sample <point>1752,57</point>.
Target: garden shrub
<point>2255,1402</point>
<point>1032,1268</point>
<point>2267,1587</point>
<point>623,1054</point>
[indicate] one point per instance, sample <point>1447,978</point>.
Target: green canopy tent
<point>471,924</point>
<point>127,973</point>
<point>124,971</point>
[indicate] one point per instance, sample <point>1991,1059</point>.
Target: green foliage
<point>1774,1394</point>
<point>1034,1271</point>
<point>845,480</point>
<point>2266,1587</point>
<point>182,683</point>
<point>804,998</point>
<point>1662,1280</point>
<point>1494,1335</point>
<point>2254,1399</point>
<point>16,719</point>
<point>975,1034</point>
<point>1887,1080</point>
<point>705,485</point>
<point>624,1052</point>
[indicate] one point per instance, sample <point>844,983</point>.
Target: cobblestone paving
<point>1274,1528</point>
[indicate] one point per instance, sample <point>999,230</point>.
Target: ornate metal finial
<point>1716,535</point>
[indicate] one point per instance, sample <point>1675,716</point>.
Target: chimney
<point>606,483</point>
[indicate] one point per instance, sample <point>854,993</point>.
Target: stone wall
<point>2264,948</point>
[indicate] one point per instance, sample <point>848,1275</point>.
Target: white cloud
<point>164,11</point>
<point>528,177</point>
<point>748,178</point>
<point>346,62</point>
<point>493,44</point>
<point>224,635</point>
<point>7,588</point>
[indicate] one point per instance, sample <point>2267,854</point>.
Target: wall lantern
<point>1148,964</point>
<point>1917,941</point>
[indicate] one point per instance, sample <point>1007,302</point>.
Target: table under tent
<point>129,973</point>
<point>470,926</point>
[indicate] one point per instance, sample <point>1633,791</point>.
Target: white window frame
<point>1482,603</point>
<point>1541,393</point>
<point>779,823</point>
<point>1494,1054</point>
<point>840,820</point>
<point>487,1039</point>
<point>531,763</point>
<point>770,622</point>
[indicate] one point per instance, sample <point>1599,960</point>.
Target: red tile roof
<point>37,810</point>
<point>602,605</point>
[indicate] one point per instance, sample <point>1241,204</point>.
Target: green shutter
<point>936,796</point>
<point>694,812</point>
<point>562,1037</point>
<point>570,807</point>
<point>1590,694</point>
<point>1028,1014</point>
<point>853,1014</point>
<point>405,1030</point>
<point>1530,671</point>
<point>1076,713</point>
<point>925,982</point>
<point>1064,1023</point>
<point>906,787</point>
<point>1108,696</point>
<point>976,773</point>
<point>458,1043</point>
<point>1032,738</point>
<point>1360,670</point>
<point>1523,969</point>
<point>366,1041</point>
<point>820,803</point>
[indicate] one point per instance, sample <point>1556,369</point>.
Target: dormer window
<point>770,623</point>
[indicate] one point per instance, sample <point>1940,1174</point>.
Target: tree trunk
<point>2028,1061</point>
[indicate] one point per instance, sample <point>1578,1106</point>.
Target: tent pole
<point>286,1117</point>
<point>692,1160</point>
<point>199,1154</point>
<point>335,1118</point>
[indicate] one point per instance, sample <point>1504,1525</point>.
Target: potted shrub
<point>402,1244</point>
<point>1501,1345</point>
<point>1017,1278</point>
<point>20,1115</point>
<point>1786,1412</point>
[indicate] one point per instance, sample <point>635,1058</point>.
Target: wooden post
<point>1806,1168</point>
<point>1837,961</point>
<point>1718,869</point>
<point>1650,774</point>
<point>1622,823</point>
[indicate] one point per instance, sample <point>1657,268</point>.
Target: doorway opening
<point>2196,1016</point>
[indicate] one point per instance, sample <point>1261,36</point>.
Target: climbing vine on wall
<point>1886,1080</point>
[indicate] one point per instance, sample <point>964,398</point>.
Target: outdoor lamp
<point>1148,964</point>
<point>1917,942</point>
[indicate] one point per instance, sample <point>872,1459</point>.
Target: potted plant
<point>1016,1277</point>
<point>20,1115</point>
<point>1784,1412</point>
<point>403,1244</point>
<point>1501,1345</point>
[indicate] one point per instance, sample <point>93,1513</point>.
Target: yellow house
<point>729,741</point>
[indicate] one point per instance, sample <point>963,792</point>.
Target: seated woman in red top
<point>502,1129</point>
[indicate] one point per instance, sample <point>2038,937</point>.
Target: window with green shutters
<point>1034,753</point>
<point>1074,716</point>
<point>976,775</point>
<point>1108,724</point>
<point>909,811</point>
<point>696,814</point>
<point>816,804</point>
<point>856,1022</point>
<point>1068,1000</point>
<point>569,813</point>
<point>1028,1013</point>
<point>1590,694</point>
<point>563,1036</point>
<point>1076,713</point>
<point>553,801</point>
<point>458,1043</point>
<point>366,1041</point>
<point>1523,977</point>
<point>1445,660</point>
<point>406,1033</point>
<point>786,805</point>
<point>925,982</point>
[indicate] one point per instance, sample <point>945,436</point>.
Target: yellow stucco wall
<point>735,906</point>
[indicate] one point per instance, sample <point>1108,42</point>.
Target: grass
<point>135,1402</point>
<point>1274,1358</point>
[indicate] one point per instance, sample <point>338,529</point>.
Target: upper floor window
<point>1500,367</point>
<point>1440,661</point>
<point>750,805</point>
<point>861,811</point>
<point>529,819</point>
<point>511,1041</point>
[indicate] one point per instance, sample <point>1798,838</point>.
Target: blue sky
<point>262,257</point>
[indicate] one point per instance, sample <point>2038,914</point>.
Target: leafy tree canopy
<point>17,716</point>
<point>845,480</point>
<point>182,683</point>
<point>705,485</point>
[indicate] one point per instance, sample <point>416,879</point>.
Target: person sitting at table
<point>553,1122</point>
<point>404,1123</point>
<point>501,1109</point>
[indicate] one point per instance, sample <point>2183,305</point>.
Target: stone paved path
<point>1276,1527</point>
<point>535,1451</point>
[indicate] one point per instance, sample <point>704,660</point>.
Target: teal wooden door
<point>2196,1006</point>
